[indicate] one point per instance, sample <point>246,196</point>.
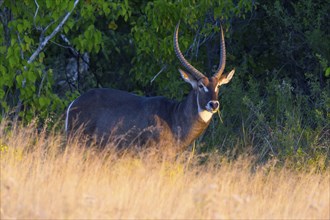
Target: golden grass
<point>39,180</point>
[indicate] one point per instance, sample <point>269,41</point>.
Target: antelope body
<point>115,115</point>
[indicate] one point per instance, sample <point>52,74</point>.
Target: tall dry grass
<point>40,179</point>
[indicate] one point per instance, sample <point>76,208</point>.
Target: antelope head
<point>205,88</point>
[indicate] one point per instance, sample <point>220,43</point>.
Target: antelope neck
<point>189,120</point>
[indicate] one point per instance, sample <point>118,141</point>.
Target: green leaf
<point>3,103</point>
<point>49,3</point>
<point>43,101</point>
<point>66,29</point>
<point>327,72</point>
<point>20,28</point>
<point>2,93</point>
<point>70,5</point>
<point>12,61</point>
<point>27,39</point>
<point>3,49</point>
<point>41,57</point>
<point>19,79</point>
<point>26,24</point>
<point>31,77</point>
<point>112,25</point>
<point>3,70</point>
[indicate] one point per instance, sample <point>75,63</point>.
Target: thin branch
<point>71,48</point>
<point>56,30</point>
<point>36,13</point>
<point>164,67</point>
<point>20,45</point>
<point>50,24</point>
<point>42,82</point>
<point>66,40</point>
<point>60,45</point>
<point>77,54</point>
<point>194,43</point>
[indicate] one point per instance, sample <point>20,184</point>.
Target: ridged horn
<point>192,70</point>
<point>222,63</point>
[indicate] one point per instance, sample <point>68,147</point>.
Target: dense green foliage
<point>278,104</point>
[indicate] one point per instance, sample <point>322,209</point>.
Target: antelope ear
<point>224,79</point>
<point>188,78</point>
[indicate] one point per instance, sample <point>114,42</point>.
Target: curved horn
<point>183,61</point>
<point>222,63</point>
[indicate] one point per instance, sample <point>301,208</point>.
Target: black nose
<point>214,105</point>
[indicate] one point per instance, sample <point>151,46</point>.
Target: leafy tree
<point>32,33</point>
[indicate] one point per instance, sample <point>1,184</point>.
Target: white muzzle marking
<point>205,115</point>
<point>212,106</point>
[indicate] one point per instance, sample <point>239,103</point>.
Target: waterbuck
<point>128,119</point>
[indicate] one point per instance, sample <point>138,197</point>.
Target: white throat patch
<point>203,114</point>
